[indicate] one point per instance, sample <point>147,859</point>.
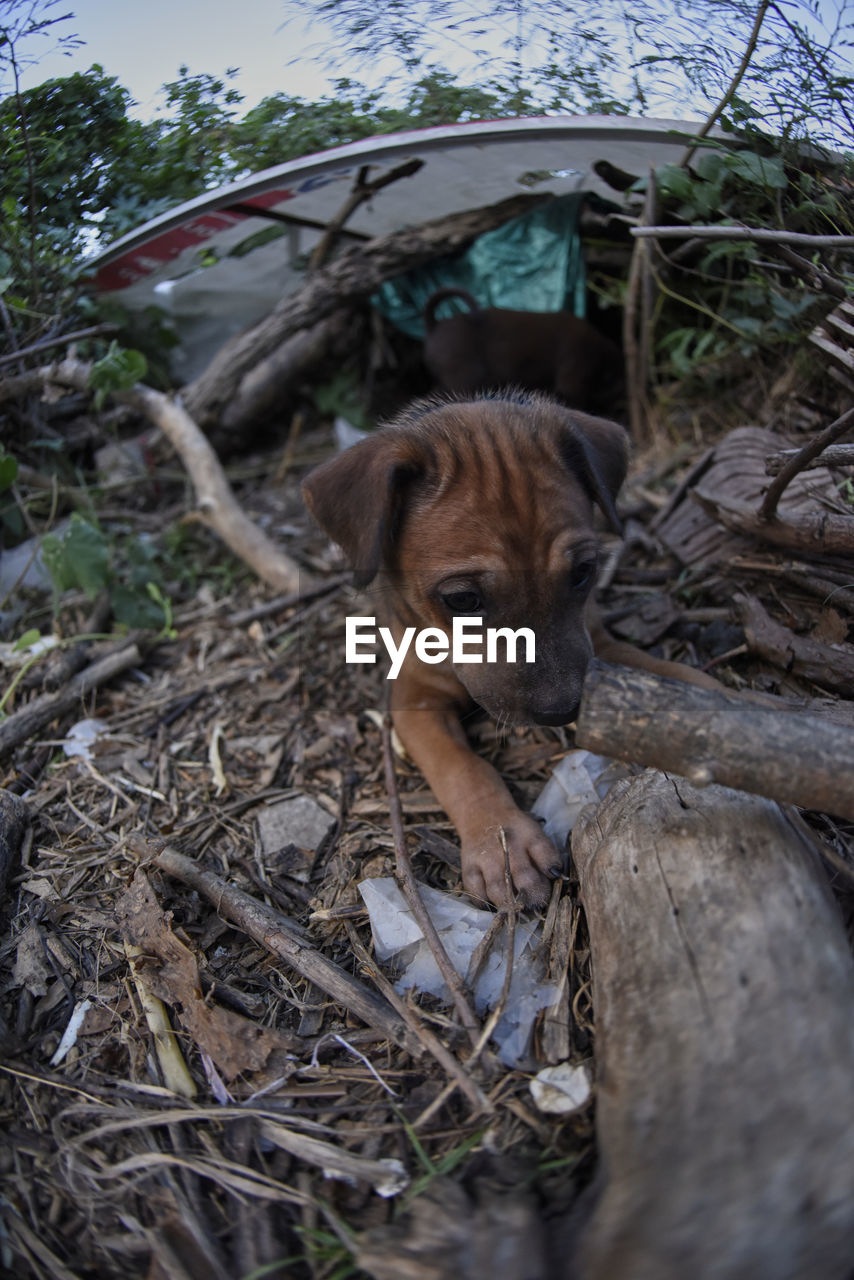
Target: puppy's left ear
<point>355,498</point>
<point>597,451</point>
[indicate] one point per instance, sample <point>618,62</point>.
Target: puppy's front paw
<point>534,861</point>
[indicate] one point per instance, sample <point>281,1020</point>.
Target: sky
<point>274,44</point>
<point>143,44</point>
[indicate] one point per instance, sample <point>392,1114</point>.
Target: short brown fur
<point>487,500</point>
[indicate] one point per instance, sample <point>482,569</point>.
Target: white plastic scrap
<point>69,1035</point>
<point>561,1089</point>
<point>461,927</point>
<point>82,736</point>
<point>580,779</point>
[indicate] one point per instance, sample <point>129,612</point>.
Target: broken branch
<point>409,885</point>
<point>217,505</point>
<point>281,936</point>
<point>41,711</point>
<point>801,460</point>
<point>809,532</point>
<point>718,736</point>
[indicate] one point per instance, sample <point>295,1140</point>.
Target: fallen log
<point>717,736</point>
<point>814,533</point>
<point>352,276</point>
<point>268,383</point>
<point>724,998</point>
<point>828,665</point>
<point>835,455</point>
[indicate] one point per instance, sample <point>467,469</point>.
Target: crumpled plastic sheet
<point>82,736</point>
<point>398,939</point>
<point>580,779</point>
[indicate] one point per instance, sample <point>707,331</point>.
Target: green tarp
<point>533,263</point>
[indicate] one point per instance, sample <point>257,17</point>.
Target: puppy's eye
<point>462,601</point>
<point>582,574</point>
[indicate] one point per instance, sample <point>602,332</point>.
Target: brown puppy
<point>481,509</point>
<point>549,351</point>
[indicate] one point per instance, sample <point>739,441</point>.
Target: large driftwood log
<point>353,275</point>
<point>710,736</point>
<point>724,997</point>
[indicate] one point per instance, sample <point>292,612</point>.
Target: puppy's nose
<point>553,713</point>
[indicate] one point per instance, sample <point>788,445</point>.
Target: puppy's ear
<point>356,499</point>
<point>597,452</point>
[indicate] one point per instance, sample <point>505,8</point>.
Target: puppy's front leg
<point>426,706</point>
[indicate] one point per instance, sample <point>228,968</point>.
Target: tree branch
<point>734,83</point>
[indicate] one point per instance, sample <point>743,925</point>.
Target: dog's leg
<point>427,720</point>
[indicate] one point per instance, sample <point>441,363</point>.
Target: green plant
<point>716,299</point>
<point>118,370</point>
<point>10,516</point>
<point>86,558</point>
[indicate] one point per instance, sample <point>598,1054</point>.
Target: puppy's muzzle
<point>555,713</point>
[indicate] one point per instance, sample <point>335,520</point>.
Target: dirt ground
<point>273,1151</point>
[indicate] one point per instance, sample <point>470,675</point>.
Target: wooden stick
<point>217,505</point>
<point>801,461</point>
<point>831,666</point>
<point>736,80</point>
<point>283,937</point>
<point>41,711</point>
<point>838,455</point>
<point>708,736</point>
<point>762,234</point>
<point>362,190</point>
<point>60,339</point>
<point>419,1028</point>
<point>409,885</point>
<point>816,532</point>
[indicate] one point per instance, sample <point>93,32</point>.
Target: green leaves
<point>760,171</point>
<point>85,558</point>
<point>8,469</point>
<point>118,370</point>
<point>80,557</point>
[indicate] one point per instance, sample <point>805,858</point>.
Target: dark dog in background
<point>483,508</point>
<point>551,351</point>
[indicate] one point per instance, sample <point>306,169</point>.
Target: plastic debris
<point>461,927</point>
<point>82,736</point>
<point>580,779</point>
<point>561,1089</point>
<point>69,1035</point>
<point>23,566</point>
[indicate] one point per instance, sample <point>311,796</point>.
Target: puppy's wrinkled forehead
<point>499,475</point>
<point>502,471</point>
